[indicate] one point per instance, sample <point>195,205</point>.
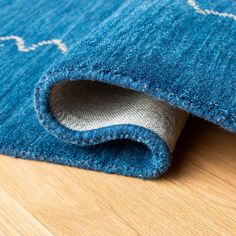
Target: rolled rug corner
<point>141,130</point>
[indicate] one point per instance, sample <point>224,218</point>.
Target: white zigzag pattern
<point>22,48</point>
<point>198,9</point>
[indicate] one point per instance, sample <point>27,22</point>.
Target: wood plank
<point>16,220</point>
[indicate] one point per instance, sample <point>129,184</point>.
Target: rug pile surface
<point>109,85</point>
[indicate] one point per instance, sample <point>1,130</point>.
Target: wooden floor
<point>196,197</point>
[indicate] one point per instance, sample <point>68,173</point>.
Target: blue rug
<point>108,85</point>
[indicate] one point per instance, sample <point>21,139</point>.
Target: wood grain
<point>196,197</point>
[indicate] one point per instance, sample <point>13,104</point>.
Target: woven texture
<point>87,105</point>
<point>182,52</point>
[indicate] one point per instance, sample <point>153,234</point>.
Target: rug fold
<point>84,109</point>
